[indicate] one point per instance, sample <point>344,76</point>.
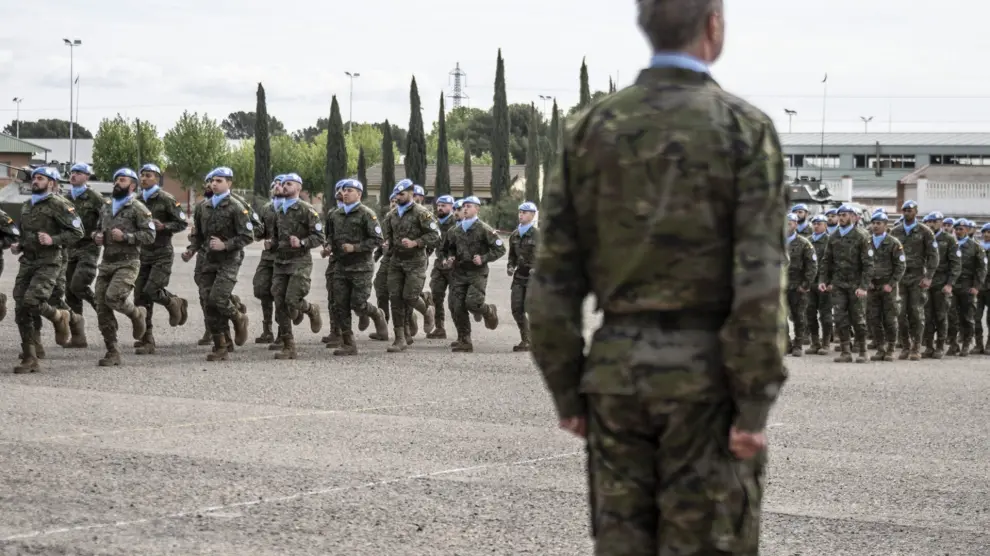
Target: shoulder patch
<point>959,252</point>
<point>498,242</point>
<point>869,252</point>
<point>902,258</point>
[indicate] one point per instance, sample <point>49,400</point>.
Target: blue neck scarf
<point>145,194</point>
<point>277,203</point>
<point>217,197</point>
<point>816,237</point>
<point>802,227</point>
<point>791,237</point>
<point>38,197</point>
<point>846,230</point>
<point>77,191</point>
<point>831,229</point>
<point>350,207</point>
<point>523,228</point>
<point>467,223</point>
<point>446,218</point>
<point>403,208</point>
<point>119,203</point>
<point>909,227</point>
<point>288,202</point>
<point>985,244</point>
<point>878,239</point>
<point>678,60</point>
<point>963,241</point>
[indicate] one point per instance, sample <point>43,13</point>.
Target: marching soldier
<point>972,275</point>
<point>468,249</point>
<point>126,225</point>
<point>921,256</point>
<point>200,258</point>
<point>846,273</point>
<point>802,270</point>
<point>522,255</point>
<point>412,325</point>
<point>48,223</point>
<point>265,231</point>
<point>440,276</point>
<point>940,292</point>
<point>383,255</point>
<point>332,340</point>
<point>9,234</point>
<point>354,233</point>
<point>156,259</point>
<point>889,263</point>
<point>84,256</point>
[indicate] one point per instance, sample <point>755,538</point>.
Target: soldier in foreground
<point>522,252</point>
<point>84,255</point>
<point>802,270</point>
<point>939,295</point>
<point>440,276</point>
<point>666,425</point>
<point>972,274</point>
<point>126,225</point>
<point>889,263</point>
<point>846,273</point>
<point>48,223</point>
<point>921,254</point>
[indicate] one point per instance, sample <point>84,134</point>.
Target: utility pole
<point>790,116</point>
<point>866,123</point>
<point>72,44</point>
<point>17,101</point>
<point>350,116</point>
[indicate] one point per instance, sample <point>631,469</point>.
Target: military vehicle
<point>18,191</point>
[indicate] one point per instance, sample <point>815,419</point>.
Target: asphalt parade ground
<point>428,452</point>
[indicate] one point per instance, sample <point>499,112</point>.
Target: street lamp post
<point>72,44</point>
<point>350,101</point>
<point>17,101</point>
<point>545,98</point>
<point>866,123</point>
<point>790,115</point>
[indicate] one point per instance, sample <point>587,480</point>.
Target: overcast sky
<point>913,64</point>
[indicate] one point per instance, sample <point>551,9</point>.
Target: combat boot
<point>315,322</point>
<point>276,344</point>
<point>429,319</point>
<point>915,354</point>
<point>399,344</point>
<point>872,345</point>
<point>77,328</point>
<point>412,324</point>
<point>137,317</point>
<point>364,321</point>
<point>219,352</point>
<point>241,308</point>
<point>861,356</point>
<point>112,356</point>
<point>381,326</point>
<point>905,352</point>
<point>463,346</point>
<point>175,310</point>
<point>796,348</point>
<point>228,340</point>
<point>879,355</point>
<point>147,345</point>
<point>410,339</point>
<point>439,333</point>
<point>266,334</point>
<point>3,306</point>
<point>845,355</point>
<point>490,315</point>
<point>332,340</point>
<point>964,348</point>
<point>953,349</point>
<point>458,341</point>
<point>288,348</point>
<point>60,321</point>
<point>888,354</point>
<point>929,349</point>
<point>206,339</point>
<point>240,328</point>
<point>39,348</point>
<point>29,360</point>
<point>348,347</point>
<point>939,349</point>
<point>523,344</point>
<point>816,344</point>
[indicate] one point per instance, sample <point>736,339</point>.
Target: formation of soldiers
<point>116,255</point>
<point>914,289</point>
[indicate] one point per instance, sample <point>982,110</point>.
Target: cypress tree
<point>468,173</point>
<point>362,175</point>
<point>388,168</point>
<point>611,85</point>
<point>532,159</point>
<point>262,149</point>
<point>442,185</point>
<point>336,153</point>
<point>416,140</point>
<point>585,99</point>
<point>500,135</point>
<point>553,141</point>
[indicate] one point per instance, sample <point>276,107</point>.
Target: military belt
<point>703,320</point>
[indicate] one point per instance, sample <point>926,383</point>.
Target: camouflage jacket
<point>89,206</point>
<point>229,221</point>
<point>359,227</point>
<point>265,229</point>
<point>820,243</point>
<point>666,196</point>
<point>479,239</point>
<point>167,210</point>
<point>416,224</point>
<point>134,219</point>
<point>802,263</point>
<point>848,261</point>
<point>973,265</point>
<point>805,229</point>
<point>919,250</point>
<point>302,221</point>
<point>9,233</point>
<point>949,259</point>
<point>54,216</point>
<point>986,281</point>
<point>522,251</point>
<point>889,262</point>
<point>444,224</point>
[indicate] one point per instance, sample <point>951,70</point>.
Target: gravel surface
<point>428,452</point>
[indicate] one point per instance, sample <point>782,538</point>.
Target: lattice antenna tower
<point>459,79</point>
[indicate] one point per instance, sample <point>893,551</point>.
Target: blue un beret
<point>125,172</point>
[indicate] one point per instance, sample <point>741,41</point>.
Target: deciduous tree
<point>194,146</point>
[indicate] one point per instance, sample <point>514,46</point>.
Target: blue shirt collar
<point>77,191</point>
<point>678,60</point>
<point>878,239</point>
<point>446,218</point>
<point>119,203</point>
<point>816,236</point>
<point>962,241</point>
<point>909,227</point>
<point>523,228</point>
<point>38,197</point>
<point>831,229</point>
<point>401,209</point>
<point>145,193</point>
<point>217,197</point>
<point>803,226</point>
<point>287,203</point>
<point>277,202</point>
<point>468,222</point>
<point>845,230</point>
<point>350,207</point>
<point>791,237</point>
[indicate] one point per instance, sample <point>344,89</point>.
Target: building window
<point>812,161</point>
<point>890,161</point>
<point>962,159</point>
<point>859,161</point>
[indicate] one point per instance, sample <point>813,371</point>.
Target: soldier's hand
<point>448,262</point>
<point>15,249</point>
<point>509,271</point>
<point>325,252</point>
<point>408,243</point>
<point>578,426</point>
<point>926,283</point>
<point>187,255</point>
<point>385,245</point>
<point>947,289</point>
<point>745,445</point>
<point>294,242</point>
<point>216,244</point>
<point>98,238</point>
<point>860,292</point>
<point>477,260</point>
<point>802,290</point>
<point>116,234</point>
<point>44,238</point>
<point>268,245</point>
<point>159,226</point>
<point>822,288</point>
<point>887,288</point>
<point>974,291</point>
<point>348,247</point>
<point>829,288</point>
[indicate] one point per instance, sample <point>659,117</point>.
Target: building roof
<point>481,178</point>
<point>11,144</point>
<point>948,173</point>
<point>886,139</point>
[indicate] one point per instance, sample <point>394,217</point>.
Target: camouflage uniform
<point>440,281</point>
<point>922,258</point>
<point>802,270</point>
<point>333,339</point>
<point>972,274</point>
<point>156,267</point>
<point>119,271</point>
<point>229,221</point>
<point>83,259</point>
<point>522,255</point>
<point>682,244</point>
<point>889,262</point>
<point>383,256</point>
<point>262,281</point>
<point>819,303</point>
<point>982,308</point>
<point>407,265</point>
<point>469,281</point>
<point>937,306</point>
<point>40,267</point>
<point>848,266</point>
<point>9,234</point>
<point>357,225</point>
<point>291,279</point>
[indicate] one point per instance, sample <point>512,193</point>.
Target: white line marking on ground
<point>296,496</point>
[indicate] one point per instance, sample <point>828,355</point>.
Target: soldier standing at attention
<point>674,394</point>
<point>9,235</point>
<point>921,253</point>
<point>156,259</point>
<point>383,256</point>
<point>889,263</point>
<point>223,228</point>
<point>409,230</point>
<point>440,276</point>
<point>262,282</point>
<point>983,298</point>
<point>354,233</point>
<point>297,230</point>
<point>802,272</point>
<point>522,254</point>
<point>48,223</point>
<point>804,227</point>
<point>126,225</point>
<point>847,270</point>
<point>972,275</point>
<point>940,293</point>
<point>819,303</point>
<point>84,255</point>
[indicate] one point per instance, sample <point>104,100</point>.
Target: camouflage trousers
<point>262,283</point>
<point>982,313</point>
<point>381,287</point>
<point>216,286</point>
<point>80,274</point>
<point>59,291</point>
<point>439,283</point>
<point>290,285</point>
<point>850,314</point>
<point>153,277</point>
<point>961,317</point>
<point>467,297</point>
<point>911,318</point>
<point>517,301</point>
<point>113,294</point>
<point>331,270</point>
<point>32,293</point>
<point>881,308</point>
<point>797,306</point>
<point>351,290</point>
<point>937,314</point>
<point>820,307</point>
<point>406,278</point>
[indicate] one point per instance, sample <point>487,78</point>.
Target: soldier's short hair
<point>675,24</point>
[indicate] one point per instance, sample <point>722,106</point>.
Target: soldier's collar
<point>651,77</point>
